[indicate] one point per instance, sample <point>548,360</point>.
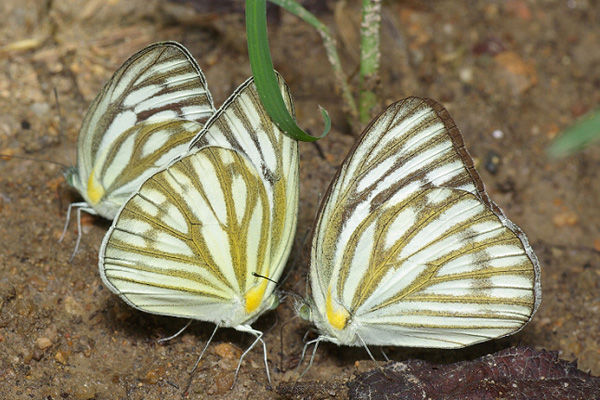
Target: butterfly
<point>143,117</point>
<point>409,250</point>
<point>199,238</point>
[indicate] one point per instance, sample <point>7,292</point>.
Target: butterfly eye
<point>305,312</point>
<point>71,176</point>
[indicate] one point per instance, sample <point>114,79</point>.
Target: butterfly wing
<point>242,124</point>
<point>125,136</point>
<point>186,244</point>
<point>409,250</point>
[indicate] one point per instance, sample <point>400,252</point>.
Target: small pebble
<point>154,375</point>
<point>223,382</point>
<point>497,134</point>
<point>84,391</point>
<point>465,75</point>
<point>40,109</point>
<point>43,343</point>
<point>228,350</point>
<point>61,357</point>
<point>72,306</point>
<point>492,162</point>
<point>567,218</point>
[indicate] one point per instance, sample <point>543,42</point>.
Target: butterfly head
<point>304,311</point>
<point>71,175</point>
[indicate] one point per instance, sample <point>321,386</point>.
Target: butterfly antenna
<point>189,383</point>
<point>281,340</point>
<point>265,277</point>
<point>9,156</point>
<point>61,119</point>
<point>319,150</point>
<point>179,332</point>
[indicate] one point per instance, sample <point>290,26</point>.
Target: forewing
<point>158,83</point>
<point>380,202</point>
<point>242,124</point>
<point>187,241</point>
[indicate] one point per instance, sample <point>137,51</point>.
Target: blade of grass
<point>576,137</point>
<point>330,45</point>
<point>264,74</point>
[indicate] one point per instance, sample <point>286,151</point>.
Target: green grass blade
<point>329,43</point>
<point>264,74</point>
<point>577,136</point>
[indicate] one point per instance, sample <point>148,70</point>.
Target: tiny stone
<point>72,306</point>
<point>228,350</point>
<point>37,354</point>
<point>497,134</point>
<point>43,343</point>
<point>465,75</point>
<point>492,162</point>
<point>223,382</point>
<point>84,391</point>
<point>61,357</point>
<point>40,109</point>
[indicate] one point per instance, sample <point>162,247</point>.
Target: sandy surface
<point>527,70</point>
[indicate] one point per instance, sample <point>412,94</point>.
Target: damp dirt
<point>512,74</point>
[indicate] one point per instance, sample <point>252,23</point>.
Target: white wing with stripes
<point>189,240</point>
<point>144,116</point>
<point>408,250</point>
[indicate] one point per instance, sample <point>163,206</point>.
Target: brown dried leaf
<point>518,373</point>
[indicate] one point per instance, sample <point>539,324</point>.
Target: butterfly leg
<point>258,334</point>
<point>384,355</point>
<point>189,383</point>
<point>166,339</point>
<point>71,206</point>
<point>88,210</point>
<point>377,363</point>
<point>312,356</point>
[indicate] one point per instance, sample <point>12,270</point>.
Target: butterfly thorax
<point>242,313</point>
<point>335,322</point>
<point>92,192</point>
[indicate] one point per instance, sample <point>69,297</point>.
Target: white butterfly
<point>192,238</point>
<point>143,117</point>
<point>408,249</point>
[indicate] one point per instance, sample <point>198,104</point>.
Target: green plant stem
<point>369,58</point>
<point>264,74</point>
<point>330,45</point>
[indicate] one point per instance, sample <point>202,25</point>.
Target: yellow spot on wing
<point>336,315</point>
<point>95,191</point>
<point>254,296</point>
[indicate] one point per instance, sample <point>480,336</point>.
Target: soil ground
<point>522,68</point>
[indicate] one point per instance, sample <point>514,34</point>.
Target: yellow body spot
<point>254,296</point>
<point>95,191</point>
<point>336,315</point>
